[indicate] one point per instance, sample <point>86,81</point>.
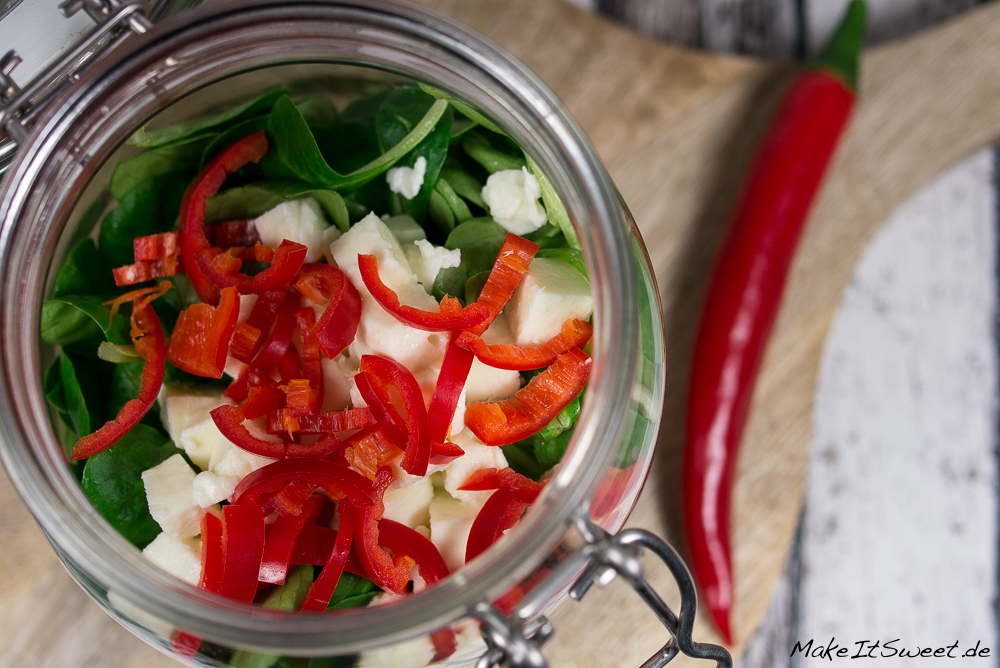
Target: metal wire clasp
<point>515,641</point>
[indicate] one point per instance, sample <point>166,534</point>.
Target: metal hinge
<point>115,20</point>
<point>515,641</point>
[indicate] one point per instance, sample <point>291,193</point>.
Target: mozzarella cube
<point>209,489</point>
<point>182,406</point>
<point>477,457</point>
<point>407,181</point>
<point>179,557</point>
<point>300,220</point>
<point>458,421</point>
<point>235,462</point>
<point>169,487</point>
<point>405,229</point>
<point>379,333</point>
<point>201,442</point>
<point>451,521</point>
<point>550,293</point>
<point>427,260</point>
<point>486,383</point>
<point>409,505</point>
<point>336,385</point>
<point>512,196</point>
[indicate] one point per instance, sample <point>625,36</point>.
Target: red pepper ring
<point>325,423</point>
<point>449,317</point>
<point>534,406</point>
<point>501,512</point>
<point>222,268</point>
<point>401,539</point>
<point>574,334</point>
<point>147,335</point>
<point>337,327</point>
<point>322,589</point>
<point>280,542</point>
<point>242,550</point>
<point>211,553</point>
<point>379,566</point>
<point>268,359</point>
<point>229,420</point>
<point>383,374</point>
<point>512,482</point>
<point>192,214</point>
<point>384,413</point>
<point>336,479</point>
<point>313,548</point>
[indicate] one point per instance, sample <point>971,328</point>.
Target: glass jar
<point>229,51</point>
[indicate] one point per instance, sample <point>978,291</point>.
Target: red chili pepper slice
<point>150,270</point>
<point>337,327</point>
<point>379,566</point>
<point>192,215</point>
<point>337,480</point>
<point>229,233</point>
<point>290,365</point>
<point>247,341</point>
<point>263,401</point>
<point>277,345</point>
<point>242,550</point>
<point>745,294</point>
<point>450,316</point>
<point>312,367</point>
<point>147,336</point>
<point>314,546</point>
<point>510,481</point>
<point>574,334</point>
<point>222,268</point>
<point>501,512</point>
<point>322,589</point>
<point>401,539</point>
<point>445,644</point>
<point>369,450</point>
<point>384,374</point>
<point>509,268</point>
<point>280,542</point>
<point>384,413</point>
<point>534,406</point>
<point>212,562</point>
<point>324,423</point>
<point>199,343</point>
<point>229,420</point>
<point>156,246</point>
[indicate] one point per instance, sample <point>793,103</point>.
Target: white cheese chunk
<point>202,441</point>
<point>336,385</point>
<point>235,462</point>
<point>512,196</point>
<point>550,293</point>
<point>477,457</point>
<point>209,489</point>
<point>182,406</point>
<point>410,505</point>
<point>171,502</point>
<point>458,421</point>
<point>415,653</point>
<point>379,332</point>
<point>451,521</point>
<point>485,382</point>
<point>179,557</point>
<point>301,221</point>
<point>427,260</point>
<point>407,181</point>
<point>405,229</point>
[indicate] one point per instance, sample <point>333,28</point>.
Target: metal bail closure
<point>515,641</point>
<point>115,19</point>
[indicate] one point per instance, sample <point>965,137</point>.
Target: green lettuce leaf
<point>480,240</point>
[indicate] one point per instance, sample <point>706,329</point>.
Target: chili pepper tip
<point>842,52</point>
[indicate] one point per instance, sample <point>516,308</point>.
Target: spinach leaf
<point>554,206</point>
<point>181,159</point>
<point>112,482</point>
<point>318,111</point>
<point>85,272</point>
<point>547,236</point>
<point>353,591</point>
<point>253,200</point>
<point>76,317</point>
<point>180,131</point>
<point>224,140</point>
<point>550,451</point>
<point>460,211</point>
<point>566,419</point>
<point>295,153</point>
<point>494,152</point>
<point>123,386</point>
<point>440,213</point>
<point>149,208</point>
<point>474,286</point>
<point>85,404</point>
<point>465,185</point>
<point>434,149</point>
<point>461,126</point>
<point>521,457</point>
<point>462,108</point>
<point>479,239</point>
<point>572,256</point>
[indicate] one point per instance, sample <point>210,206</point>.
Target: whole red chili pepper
<point>745,294</point>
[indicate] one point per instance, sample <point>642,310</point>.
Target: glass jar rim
<point>80,131</point>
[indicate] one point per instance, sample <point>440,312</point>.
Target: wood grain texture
<point>676,129</point>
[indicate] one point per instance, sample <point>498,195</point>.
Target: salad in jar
<point>317,357</point>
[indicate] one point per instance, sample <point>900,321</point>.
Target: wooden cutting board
<point>676,129</point>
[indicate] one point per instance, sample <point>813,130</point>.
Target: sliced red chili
<point>369,450</point>
<point>192,215</point>
<point>384,412</point>
<point>324,423</point>
<point>222,268</point>
<point>534,406</point>
<point>322,589</point>
<point>280,542</point>
<point>229,420</point>
<point>149,270</point>
<point>336,479</point>
<point>501,512</point>
<point>212,563</point>
<point>156,246</point>
<point>385,374</point>
<point>314,546</point>
<point>266,362</point>
<point>243,549</point>
<point>312,367</point>
<point>389,574</point>
<point>247,341</point>
<point>337,327</point>
<point>199,343</point>
<point>402,539</point>
<point>263,401</point>
<point>574,334</point>
<point>229,233</point>
<point>522,488</point>
<point>147,336</point>
<point>449,317</point>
